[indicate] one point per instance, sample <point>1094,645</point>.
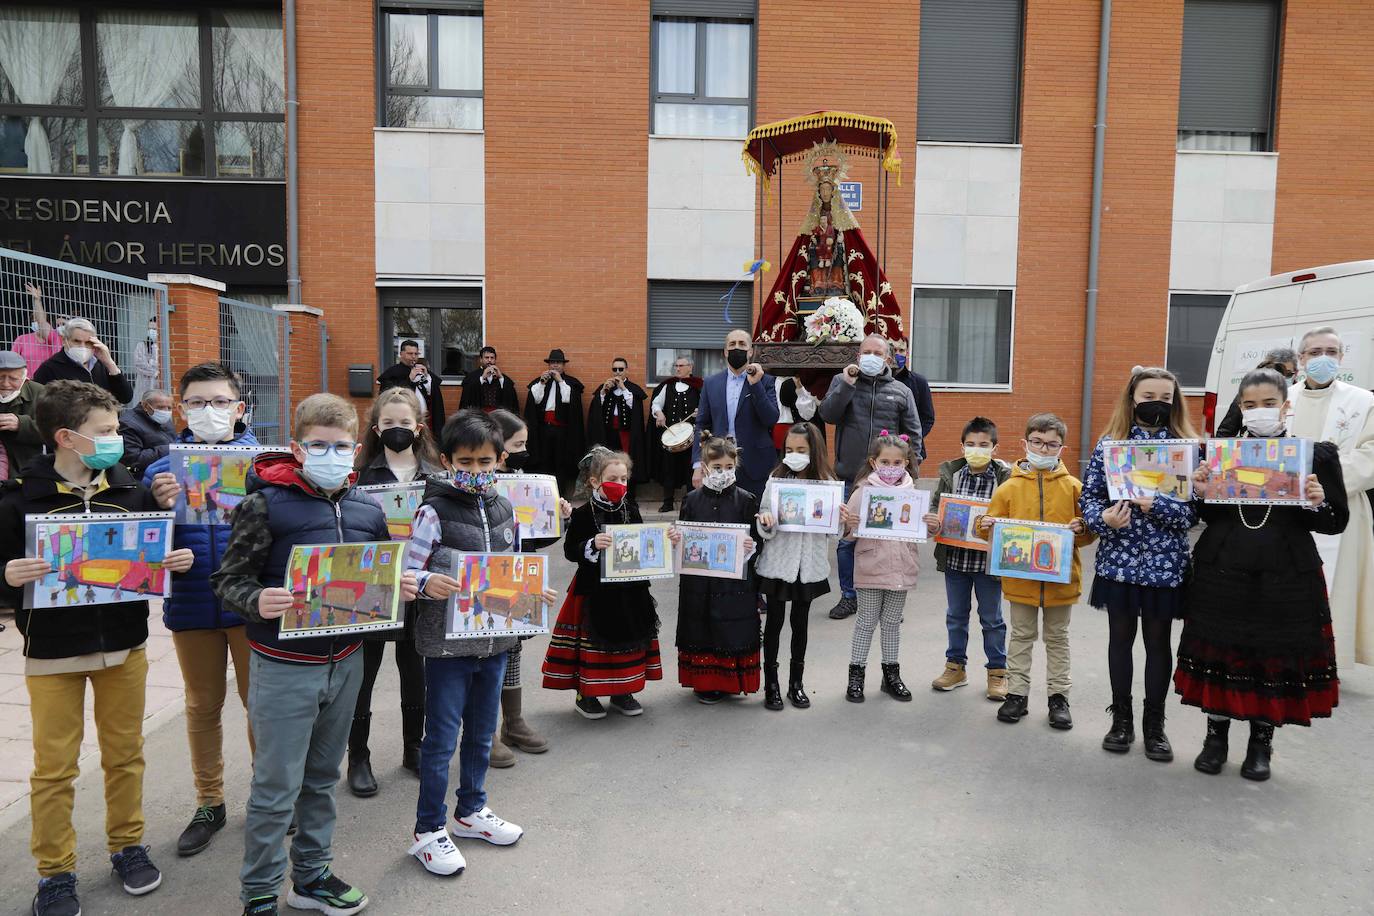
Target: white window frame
<point>1011,345</point>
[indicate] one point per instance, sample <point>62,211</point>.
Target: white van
<point>1276,313</point>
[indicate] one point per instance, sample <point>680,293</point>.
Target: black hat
<point>556,356</point>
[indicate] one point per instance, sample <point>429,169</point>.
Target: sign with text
<point>853,194</point>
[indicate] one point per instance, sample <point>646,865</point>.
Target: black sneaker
<point>205,823</point>
<point>136,870</point>
<point>847,607</point>
<point>328,894</point>
<point>709,697</point>
<point>1059,712</point>
<point>1013,708</point>
<point>261,906</point>
<point>57,896</point>
<point>626,705</point>
<point>590,707</point>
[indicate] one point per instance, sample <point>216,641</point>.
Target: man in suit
<point>741,403</point>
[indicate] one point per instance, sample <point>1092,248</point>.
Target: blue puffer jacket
<point>1153,549</point>
<point>193,605</point>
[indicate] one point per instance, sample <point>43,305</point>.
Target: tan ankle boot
<point>501,756</point>
<point>997,684</point>
<point>952,677</point>
<point>515,731</point>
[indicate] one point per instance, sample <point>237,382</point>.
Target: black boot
<point>1013,708</point>
<point>361,782</point>
<point>412,733</point>
<point>1157,746</point>
<point>1213,747</point>
<point>772,693</point>
<point>795,692</point>
<point>1121,735</point>
<point>1258,751</point>
<point>854,693</point>
<point>892,683</point>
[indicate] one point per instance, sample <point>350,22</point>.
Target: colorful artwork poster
<point>713,550</point>
<point>1156,467</point>
<point>99,559</point>
<point>400,502</point>
<point>637,553</point>
<point>959,517</point>
<point>213,480</point>
<point>1042,551</point>
<point>535,500</point>
<point>343,588</point>
<point>499,594</point>
<point>1258,472</point>
<point>807,506</point>
<point>893,514</point>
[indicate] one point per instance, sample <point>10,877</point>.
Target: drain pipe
<point>293,240</point>
<point>1085,440</point>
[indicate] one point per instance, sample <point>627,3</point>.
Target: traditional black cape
<point>475,391</point>
<point>556,449</point>
<point>677,407</point>
<point>599,431</point>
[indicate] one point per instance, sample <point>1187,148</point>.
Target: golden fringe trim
<point>891,159</point>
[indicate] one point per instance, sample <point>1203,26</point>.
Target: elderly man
<point>147,430</point>
<point>864,400</point>
<point>19,438</point>
<point>489,388</point>
<point>85,358</point>
<point>741,403</point>
<point>675,401</point>
<point>1327,409</point>
<point>411,372</point>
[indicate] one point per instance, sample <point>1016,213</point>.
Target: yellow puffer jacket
<point>1047,496</point>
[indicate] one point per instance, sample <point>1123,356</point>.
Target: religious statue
<point>825,253</point>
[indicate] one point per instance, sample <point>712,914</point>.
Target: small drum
<point>678,437</point>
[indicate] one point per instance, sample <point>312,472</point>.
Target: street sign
<point>853,194</point>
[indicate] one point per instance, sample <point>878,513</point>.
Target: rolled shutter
<point>691,316</point>
<point>1227,77</point>
<point>706,9</point>
<point>969,81</point>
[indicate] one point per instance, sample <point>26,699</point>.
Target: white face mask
<point>80,355</point>
<point>211,424</point>
<point>160,417</point>
<point>1042,462</point>
<point>719,480</point>
<point>7,396</point>
<point>797,461</point>
<point>871,364</point>
<point>1263,421</point>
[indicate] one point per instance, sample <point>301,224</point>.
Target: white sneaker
<point>437,853</point>
<point>483,825</point>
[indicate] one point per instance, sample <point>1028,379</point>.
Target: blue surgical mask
<point>478,482</point>
<point>161,417</point>
<point>870,364</point>
<point>108,451</point>
<point>901,360</point>
<point>328,471</point>
<point>1322,369</point>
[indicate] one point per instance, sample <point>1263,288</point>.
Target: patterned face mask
<point>478,482</point>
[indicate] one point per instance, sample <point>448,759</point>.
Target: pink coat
<point>890,565</point>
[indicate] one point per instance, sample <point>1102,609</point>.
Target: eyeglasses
<point>1043,447</point>
<point>320,449</point>
<point>217,403</point>
<point>1323,351</point>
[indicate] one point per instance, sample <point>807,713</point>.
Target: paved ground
<point>929,806</point>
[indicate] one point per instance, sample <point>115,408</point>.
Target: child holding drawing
<point>605,643</point>
<point>397,448</point>
<point>884,570</point>
<point>974,475</point>
<point>1142,559</point>
<point>717,618</point>
<point>1040,488</point>
<point>794,566</point>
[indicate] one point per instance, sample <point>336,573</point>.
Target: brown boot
<point>501,756</point>
<point>953,676</point>
<point>997,684</point>
<point>515,731</point>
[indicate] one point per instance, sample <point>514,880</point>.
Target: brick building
<point>534,174</point>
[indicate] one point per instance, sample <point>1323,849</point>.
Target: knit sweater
<point>793,556</point>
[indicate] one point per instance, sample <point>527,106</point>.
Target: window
<point>151,93</point>
<point>703,73</point>
<point>433,70</point>
<point>445,322</point>
<point>962,336</point>
<point>689,319</point>
<point>969,76</point>
<point>1226,85</point>
<point>1193,322</point>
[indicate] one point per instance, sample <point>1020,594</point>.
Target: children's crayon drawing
<point>535,499</point>
<point>213,480</point>
<point>637,553</point>
<point>499,594</point>
<point>343,588</point>
<point>893,514</point>
<point>1268,472</point>
<point>1155,467</point>
<point>1042,551</point>
<point>959,517</point>
<point>99,559</point>
<point>807,506</point>
<point>711,549</point>
<point>400,502</point>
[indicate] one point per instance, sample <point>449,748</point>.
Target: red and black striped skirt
<point>577,662</point>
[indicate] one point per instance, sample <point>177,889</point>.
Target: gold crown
<point>828,164</point>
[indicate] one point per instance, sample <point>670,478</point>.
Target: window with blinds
<point>690,319</point>
<point>1226,82</point>
<point>969,81</point>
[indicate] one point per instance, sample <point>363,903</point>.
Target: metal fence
<point>38,293</point>
<point>254,341</point>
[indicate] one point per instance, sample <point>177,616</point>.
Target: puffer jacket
<point>793,556</point>
<point>1153,549</point>
<point>861,411</point>
<point>193,604</point>
<point>1045,496</point>
<point>880,563</point>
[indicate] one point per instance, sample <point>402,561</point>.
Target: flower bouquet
<point>836,321</point>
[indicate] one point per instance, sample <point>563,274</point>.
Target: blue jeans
<point>459,692</point>
<point>844,554</point>
<point>959,591</point>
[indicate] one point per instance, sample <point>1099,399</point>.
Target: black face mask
<point>737,358</point>
<point>1153,413</point>
<point>397,438</point>
<point>517,461</point>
